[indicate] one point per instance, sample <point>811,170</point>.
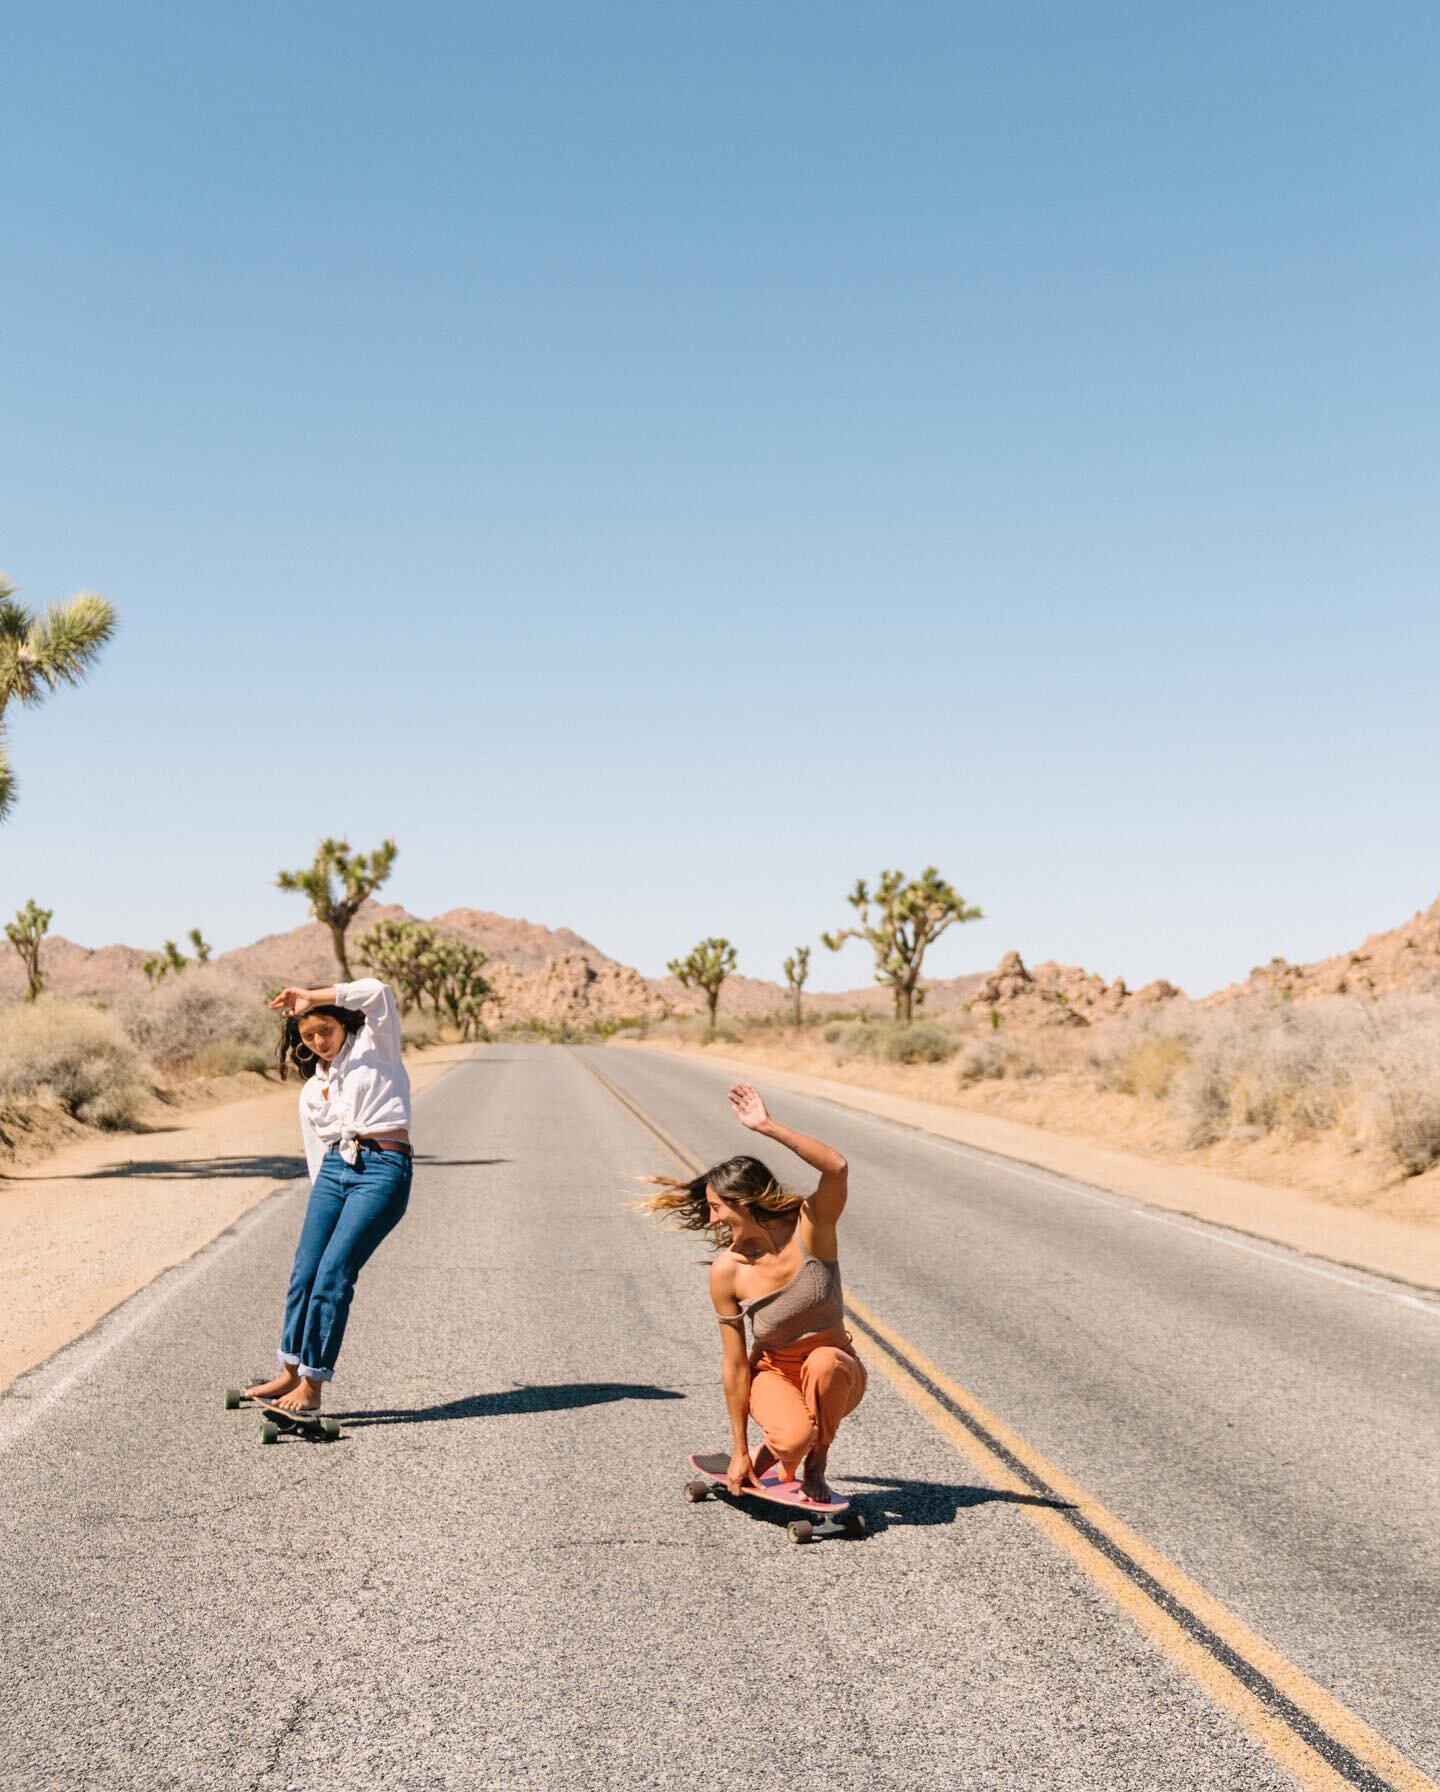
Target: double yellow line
<point>1313,1737</point>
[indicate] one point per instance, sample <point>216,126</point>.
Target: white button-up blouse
<point>365,1090</point>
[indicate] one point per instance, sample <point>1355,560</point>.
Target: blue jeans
<point>350,1211</point>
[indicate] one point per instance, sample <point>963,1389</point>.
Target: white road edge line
<point>72,1362</point>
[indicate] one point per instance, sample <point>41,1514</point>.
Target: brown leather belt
<point>388,1145</point>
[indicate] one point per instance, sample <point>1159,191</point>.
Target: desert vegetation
<point>336,883</point>
<point>1338,1094</point>
<point>39,654</point>
<point>900,920</point>
<point>705,968</point>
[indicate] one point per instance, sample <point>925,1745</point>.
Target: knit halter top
<point>810,1302</point>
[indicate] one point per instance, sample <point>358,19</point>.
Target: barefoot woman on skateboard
<point>355,1120</point>
<point>778,1266</point>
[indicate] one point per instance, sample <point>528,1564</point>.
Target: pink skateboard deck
<point>812,1518</point>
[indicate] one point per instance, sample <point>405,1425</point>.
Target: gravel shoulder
<point>85,1228</point>
<point>1408,1250</point>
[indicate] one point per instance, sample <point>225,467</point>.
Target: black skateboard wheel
<point>269,1433</point>
<point>233,1397</point>
<point>695,1491</point>
<point>854,1524</point>
<point>800,1530</point>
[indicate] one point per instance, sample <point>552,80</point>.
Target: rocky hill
<point>1404,960</point>
<point>553,975</point>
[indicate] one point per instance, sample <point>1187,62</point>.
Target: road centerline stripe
<point>1319,1742</point>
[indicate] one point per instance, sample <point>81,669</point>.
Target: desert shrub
<point>74,1056</point>
<point>893,1042</point>
<point>227,1057</point>
<point>720,1035</point>
<point>175,1022</point>
<point>419,1028</point>
<point>1398,1093</point>
<point>1150,1068</point>
<point>1260,1069</point>
<point>917,1042</point>
<point>990,1058</point>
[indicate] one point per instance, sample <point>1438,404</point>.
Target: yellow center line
<point>1319,1742</point>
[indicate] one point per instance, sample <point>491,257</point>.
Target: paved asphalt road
<point>492,1581</point>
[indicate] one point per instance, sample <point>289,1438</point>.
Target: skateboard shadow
<point>559,1397</point>
<point>888,1502</point>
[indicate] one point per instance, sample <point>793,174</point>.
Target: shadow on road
<point>558,1398</point>
<point>887,1502</point>
<point>274,1166</point>
<point>457,1163</point>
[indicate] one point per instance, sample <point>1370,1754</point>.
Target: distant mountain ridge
<point>555,975</point>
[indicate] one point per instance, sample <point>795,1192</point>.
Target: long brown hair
<point>739,1182</point>
<point>291,1051</point>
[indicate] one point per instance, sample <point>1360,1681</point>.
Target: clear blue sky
<point>662,461</point>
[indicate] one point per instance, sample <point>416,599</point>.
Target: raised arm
<point>824,1207</point>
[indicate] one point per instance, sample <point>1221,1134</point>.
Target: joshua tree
<point>25,933</point>
<point>910,916</point>
<point>403,952</point>
<point>456,986</point>
<point>707,967</point>
<point>797,969</point>
<point>40,653</point>
<point>203,948</point>
<point>170,959</point>
<point>358,876</point>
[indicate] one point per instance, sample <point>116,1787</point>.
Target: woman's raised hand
<point>292,1002</point>
<point>749,1109</point>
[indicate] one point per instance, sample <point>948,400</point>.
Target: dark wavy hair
<point>739,1182</point>
<point>292,1053</point>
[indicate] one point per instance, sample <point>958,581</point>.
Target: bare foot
<point>764,1458</point>
<point>814,1485</point>
<point>272,1390</point>
<point>305,1396</point>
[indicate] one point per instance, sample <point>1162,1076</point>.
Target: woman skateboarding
<point>355,1121</point>
<point>778,1266</point>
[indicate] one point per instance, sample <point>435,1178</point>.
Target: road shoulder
<point>1406,1250</point>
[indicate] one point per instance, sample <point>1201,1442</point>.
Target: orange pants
<point>800,1392</point>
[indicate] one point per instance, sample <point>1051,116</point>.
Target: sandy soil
<point>1405,1245</point>
<point>87,1226</point>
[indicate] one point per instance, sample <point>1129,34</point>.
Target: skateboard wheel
<point>695,1491</point>
<point>269,1434</point>
<point>800,1530</point>
<point>233,1397</point>
<point>854,1524</point>
<point>329,1428</point>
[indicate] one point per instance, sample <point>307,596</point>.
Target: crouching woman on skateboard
<point>778,1266</point>
<point>355,1121</point>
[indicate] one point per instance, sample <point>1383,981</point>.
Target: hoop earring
<point>304,1055</point>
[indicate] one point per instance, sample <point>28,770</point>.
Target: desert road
<point>1152,1505</point>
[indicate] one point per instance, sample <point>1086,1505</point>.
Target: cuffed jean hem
<point>316,1374</point>
<point>288,1359</point>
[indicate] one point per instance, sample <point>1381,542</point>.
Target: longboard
<point>832,1518</point>
<point>314,1427</point>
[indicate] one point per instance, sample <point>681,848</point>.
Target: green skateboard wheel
<point>269,1433</point>
<point>330,1428</point>
<point>233,1397</point>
